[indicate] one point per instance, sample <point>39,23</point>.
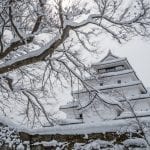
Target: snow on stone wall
<point>105,141</point>
<point>9,138</point>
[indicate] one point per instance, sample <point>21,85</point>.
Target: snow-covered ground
<point>122,125</point>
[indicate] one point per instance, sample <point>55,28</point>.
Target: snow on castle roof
<point>109,56</point>
<point>117,73</point>
<point>110,61</point>
<point>72,104</point>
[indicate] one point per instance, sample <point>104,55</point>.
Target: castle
<point>115,93</point>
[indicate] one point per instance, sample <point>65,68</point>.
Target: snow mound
<point>20,147</point>
<point>51,144</point>
<point>97,144</point>
<point>47,144</point>
<point>7,122</point>
<point>137,142</point>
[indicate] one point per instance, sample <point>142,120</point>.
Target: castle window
<point>110,69</point>
<point>81,116</point>
<point>101,70</point>
<point>101,84</point>
<point>121,67</point>
<point>119,81</point>
<point>142,92</point>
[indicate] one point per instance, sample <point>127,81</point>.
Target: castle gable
<point>109,57</point>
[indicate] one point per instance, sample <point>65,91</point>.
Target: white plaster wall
<point>98,113</point>
<point>119,93</point>
<point>72,113</point>
<point>138,105</point>
<point>131,91</point>
<point>127,78</point>
<point>142,105</point>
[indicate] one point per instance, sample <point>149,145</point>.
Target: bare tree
<point>29,68</point>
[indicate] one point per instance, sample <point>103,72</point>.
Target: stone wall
<point>11,140</point>
<point>68,142</point>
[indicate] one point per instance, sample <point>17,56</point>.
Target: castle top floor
<point>111,63</point>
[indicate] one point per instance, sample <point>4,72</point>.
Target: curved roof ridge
<point>109,54</point>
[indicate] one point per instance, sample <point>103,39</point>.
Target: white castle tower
<point>115,93</point>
